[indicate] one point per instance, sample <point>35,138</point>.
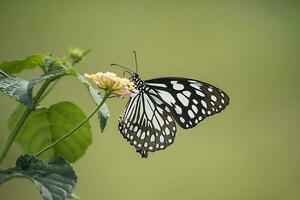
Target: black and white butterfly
<point>150,115</point>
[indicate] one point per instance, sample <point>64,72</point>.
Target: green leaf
<point>56,180</point>
<point>46,125</point>
<point>103,113</point>
<point>16,66</point>
<point>21,90</point>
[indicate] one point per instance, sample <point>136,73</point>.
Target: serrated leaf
<point>17,66</point>
<point>56,180</point>
<point>46,125</point>
<point>21,90</point>
<point>103,113</point>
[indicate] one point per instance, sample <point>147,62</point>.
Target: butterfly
<point>149,121</point>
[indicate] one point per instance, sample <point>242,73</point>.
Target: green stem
<point>13,134</point>
<point>106,95</point>
<point>51,86</point>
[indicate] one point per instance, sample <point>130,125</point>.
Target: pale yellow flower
<point>110,81</point>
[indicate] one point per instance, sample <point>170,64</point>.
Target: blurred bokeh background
<point>251,151</point>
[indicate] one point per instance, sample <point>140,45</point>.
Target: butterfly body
<point>150,116</point>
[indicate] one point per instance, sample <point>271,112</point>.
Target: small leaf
<point>103,113</point>
<point>21,90</point>
<point>56,180</point>
<point>17,66</point>
<point>44,126</point>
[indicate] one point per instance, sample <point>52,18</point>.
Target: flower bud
<point>75,53</point>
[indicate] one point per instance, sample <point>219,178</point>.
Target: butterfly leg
<point>143,153</point>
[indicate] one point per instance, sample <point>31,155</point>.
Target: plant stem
<point>105,97</point>
<point>51,86</point>
<point>13,134</point>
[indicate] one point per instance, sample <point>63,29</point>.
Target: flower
<point>110,81</point>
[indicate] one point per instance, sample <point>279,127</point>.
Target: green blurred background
<point>248,48</point>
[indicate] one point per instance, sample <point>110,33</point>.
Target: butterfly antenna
<point>126,68</point>
<point>136,63</point>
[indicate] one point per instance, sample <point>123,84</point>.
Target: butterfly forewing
<point>146,124</point>
<point>189,101</point>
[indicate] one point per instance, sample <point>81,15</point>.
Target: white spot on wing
<point>214,98</point>
<point>195,109</point>
<point>155,123</point>
<point>201,94</point>
<point>195,86</point>
<point>161,139</point>
<point>183,99</point>
<point>143,135</point>
<point>187,93</point>
<point>182,120</point>
<point>191,114</point>
<point>167,97</point>
<point>152,138</point>
<point>203,103</point>
<point>178,110</point>
<point>167,109</point>
<point>167,131</point>
<point>157,85</point>
<point>177,86</point>
<point>139,133</point>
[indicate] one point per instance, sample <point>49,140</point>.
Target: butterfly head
<point>137,81</point>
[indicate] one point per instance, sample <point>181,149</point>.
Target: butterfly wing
<point>146,125</point>
<point>189,101</point>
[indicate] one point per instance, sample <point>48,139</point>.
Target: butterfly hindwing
<point>146,125</point>
<point>189,101</point>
